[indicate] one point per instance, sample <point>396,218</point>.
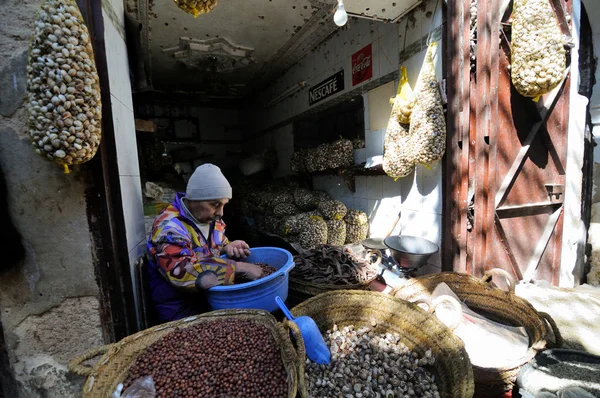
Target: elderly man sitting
<point>186,243</point>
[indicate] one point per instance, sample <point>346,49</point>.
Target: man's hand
<point>248,270</point>
<point>237,249</point>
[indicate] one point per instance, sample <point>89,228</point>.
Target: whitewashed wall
<point>124,124</point>
<point>593,10</point>
<point>418,196</point>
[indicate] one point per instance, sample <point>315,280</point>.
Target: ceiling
<point>240,45</point>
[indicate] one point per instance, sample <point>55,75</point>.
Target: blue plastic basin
<point>259,294</point>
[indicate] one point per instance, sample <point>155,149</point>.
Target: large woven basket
<point>483,297</point>
<point>418,329</point>
<point>301,290</point>
<point>112,368</point>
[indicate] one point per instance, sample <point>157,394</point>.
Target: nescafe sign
<point>362,65</point>
<point>328,87</point>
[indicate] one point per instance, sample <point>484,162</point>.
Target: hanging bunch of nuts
<point>63,89</point>
<point>368,364</point>
<point>313,232</point>
<point>538,55</point>
<point>332,209</point>
<point>196,7</point>
<point>220,358</point>
<point>397,151</point>
<point>336,232</point>
<point>427,122</point>
<point>398,159</point>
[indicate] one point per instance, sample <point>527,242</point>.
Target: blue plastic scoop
<point>316,349</point>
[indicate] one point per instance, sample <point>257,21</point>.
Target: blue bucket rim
<point>282,271</point>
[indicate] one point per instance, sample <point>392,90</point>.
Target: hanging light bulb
<point>340,17</point>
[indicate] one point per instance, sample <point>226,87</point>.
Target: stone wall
<point>49,307</point>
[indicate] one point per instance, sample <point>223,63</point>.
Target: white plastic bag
<point>489,344</point>
<point>141,388</point>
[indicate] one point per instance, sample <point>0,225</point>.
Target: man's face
<point>207,211</point>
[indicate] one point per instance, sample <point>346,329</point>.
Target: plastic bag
<point>153,191</point>
<point>404,101</point>
<point>141,388</point>
<point>489,344</point>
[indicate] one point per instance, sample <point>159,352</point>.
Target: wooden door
<point>506,157</point>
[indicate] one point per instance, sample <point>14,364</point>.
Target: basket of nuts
<point>483,297</point>
<point>227,353</point>
<point>382,346</point>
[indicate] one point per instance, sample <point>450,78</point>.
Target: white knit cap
<point>208,183</point>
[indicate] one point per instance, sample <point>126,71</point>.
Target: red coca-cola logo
<point>363,63</point>
<point>362,69</point>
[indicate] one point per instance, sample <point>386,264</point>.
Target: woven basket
<point>418,330</point>
<point>112,368</point>
<point>301,290</point>
<point>483,297</point>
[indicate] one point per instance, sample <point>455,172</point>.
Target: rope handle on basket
<point>432,306</point>
<point>76,365</point>
<point>301,353</point>
<point>558,340</point>
<point>487,278</point>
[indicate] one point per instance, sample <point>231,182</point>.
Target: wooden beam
<point>542,244</point>
<point>529,209</point>
<point>545,109</point>
<point>514,265</point>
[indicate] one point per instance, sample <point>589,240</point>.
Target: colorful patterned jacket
<point>178,255</point>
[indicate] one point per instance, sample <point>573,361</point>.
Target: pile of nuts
<point>357,226</point>
<point>336,232</point>
<point>341,154</point>
<point>284,208</point>
<point>326,156</point>
<point>196,7</point>
<point>538,55</point>
<point>304,199</point>
<point>220,358</point>
<point>266,271</point>
<point>313,232</point>
<point>62,86</point>
<point>297,164</point>
<point>368,364</point>
<point>332,209</point>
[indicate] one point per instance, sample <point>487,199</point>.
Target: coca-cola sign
<point>362,65</point>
